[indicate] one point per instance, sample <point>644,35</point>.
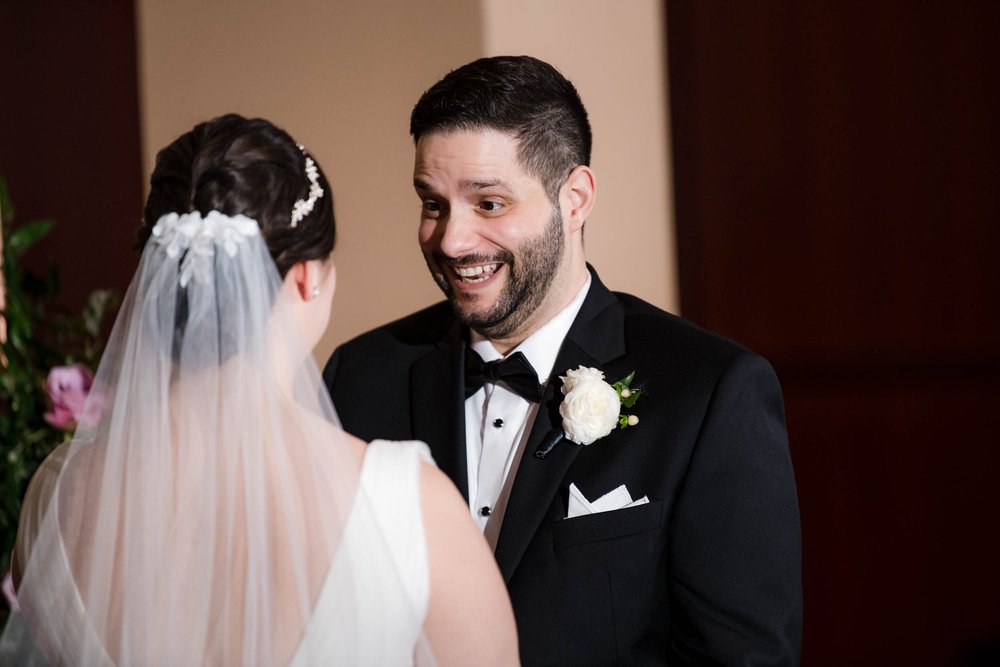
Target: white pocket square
<point>616,499</point>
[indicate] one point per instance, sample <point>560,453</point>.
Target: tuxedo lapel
<point>596,338</point>
<point>437,405</point>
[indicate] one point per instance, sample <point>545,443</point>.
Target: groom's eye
<point>431,207</point>
<point>490,206</point>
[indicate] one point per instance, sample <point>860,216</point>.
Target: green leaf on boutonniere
<point>627,395</point>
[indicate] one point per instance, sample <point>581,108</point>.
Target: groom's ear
<point>577,197</point>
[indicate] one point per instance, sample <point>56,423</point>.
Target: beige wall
<point>341,77</point>
<point>615,55</point>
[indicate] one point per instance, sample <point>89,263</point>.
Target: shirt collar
<point>541,347</point>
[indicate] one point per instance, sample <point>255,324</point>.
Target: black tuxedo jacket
<point>707,573</point>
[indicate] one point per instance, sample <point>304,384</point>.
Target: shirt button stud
<point>498,423</point>
<point>485,511</point>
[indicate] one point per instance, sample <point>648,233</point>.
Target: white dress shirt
<point>498,421</point>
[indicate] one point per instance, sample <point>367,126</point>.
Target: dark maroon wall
<point>69,135</point>
<point>837,176</point>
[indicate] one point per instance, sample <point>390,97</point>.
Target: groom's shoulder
<point>379,363</point>
<point>649,326</point>
<point>405,337</point>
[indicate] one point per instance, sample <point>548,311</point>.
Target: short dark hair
<point>519,95</point>
<point>243,166</point>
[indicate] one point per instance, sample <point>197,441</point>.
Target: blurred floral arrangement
<point>47,358</point>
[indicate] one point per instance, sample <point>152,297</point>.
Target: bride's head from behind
<point>249,167</point>
<point>206,491</point>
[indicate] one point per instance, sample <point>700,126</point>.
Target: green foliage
<point>627,395</point>
<point>39,336</point>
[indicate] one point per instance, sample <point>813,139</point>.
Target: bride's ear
<point>302,278</point>
<point>309,279</point>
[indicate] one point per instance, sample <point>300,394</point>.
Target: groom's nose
<point>459,233</point>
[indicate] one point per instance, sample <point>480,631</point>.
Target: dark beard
<point>529,278</point>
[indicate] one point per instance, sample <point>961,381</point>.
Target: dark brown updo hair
<point>236,165</point>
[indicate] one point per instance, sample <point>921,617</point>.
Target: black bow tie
<point>514,371</point>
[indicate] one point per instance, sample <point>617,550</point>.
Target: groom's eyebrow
<point>424,186</point>
<point>482,185</point>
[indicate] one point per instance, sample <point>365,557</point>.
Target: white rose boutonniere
<point>592,407</point>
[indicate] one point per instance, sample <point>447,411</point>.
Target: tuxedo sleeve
<point>359,372</point>
<point>735,563</point>
<point>330,370</point>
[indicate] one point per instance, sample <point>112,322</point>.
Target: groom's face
<point>491,237</point>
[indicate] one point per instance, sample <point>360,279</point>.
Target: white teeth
<point>472,273</point>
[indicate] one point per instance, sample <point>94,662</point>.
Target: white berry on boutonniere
<point>592,407</point>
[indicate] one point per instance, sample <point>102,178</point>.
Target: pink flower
<point>8,592</point>
<point>67,387</point>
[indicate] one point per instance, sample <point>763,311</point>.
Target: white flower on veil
<point>198,237</point>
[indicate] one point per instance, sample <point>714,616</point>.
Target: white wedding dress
<point>384,546</point>
<point>384,629</point>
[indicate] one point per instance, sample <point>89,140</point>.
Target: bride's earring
<point>315,292</point>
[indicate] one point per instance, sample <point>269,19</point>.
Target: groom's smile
<point>473,283</point>
<point>477,274</point>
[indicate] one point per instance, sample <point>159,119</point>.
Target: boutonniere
<point>591,407</point>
